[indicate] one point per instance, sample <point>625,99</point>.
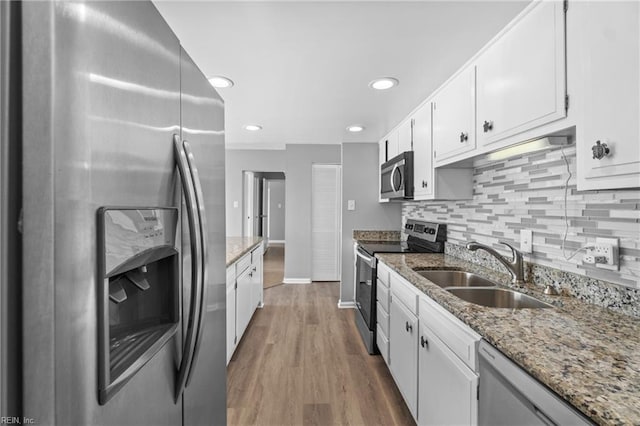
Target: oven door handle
<point>368,259</point>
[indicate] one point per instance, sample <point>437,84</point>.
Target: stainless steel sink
<point>446,278</point>
<point>497,298</point>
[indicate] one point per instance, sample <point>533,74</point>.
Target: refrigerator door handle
<point>196,266</point>
<point>195,177</point>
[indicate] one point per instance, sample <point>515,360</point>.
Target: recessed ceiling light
<point>355,128</point>
<point>253,127</point>
<point>220,82</point>
<point>383,83</point>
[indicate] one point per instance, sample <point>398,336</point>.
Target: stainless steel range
<point>423,237</point>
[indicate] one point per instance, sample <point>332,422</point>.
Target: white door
<point>454,117</point>
<point>447,388</point>
<point>403,352</point>
<point>247,203</point>
<point>325,222</point>
<point>521,78</point>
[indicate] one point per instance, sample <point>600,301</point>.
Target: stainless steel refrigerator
<point>112,145</point>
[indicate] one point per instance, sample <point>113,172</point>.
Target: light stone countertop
<point>238,246</point>
<point>588,355</point>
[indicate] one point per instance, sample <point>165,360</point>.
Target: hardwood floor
<point>301,362</point>
<point>273,266</point>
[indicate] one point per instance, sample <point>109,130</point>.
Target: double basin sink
<point>481,291</point>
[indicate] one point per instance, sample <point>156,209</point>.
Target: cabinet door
<point>447,387</point>
<point>244,303</point>
<point>231,320</point>
<point>422,153</point>
<point>391,146</point>
<point>610,54</point>
<point>521,77</point>
<point>403,352</point>
<point>454,117</point>
<point>256,267</point>
<point>405,136</point>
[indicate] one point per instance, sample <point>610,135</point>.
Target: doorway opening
<point>264,216</point>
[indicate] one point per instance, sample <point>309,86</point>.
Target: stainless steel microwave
<point>396,177</point>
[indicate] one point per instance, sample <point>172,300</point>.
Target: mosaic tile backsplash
<point>527,192</point>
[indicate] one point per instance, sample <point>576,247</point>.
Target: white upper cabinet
<point>390,146</point>
<point>405,136</point>
<point>521,76</point>
<point>454,117</point>
<point>422,153</point>
<point>430,183</point>
<point>609,55</point>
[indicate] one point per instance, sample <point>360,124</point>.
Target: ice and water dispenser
<point>138,290</point>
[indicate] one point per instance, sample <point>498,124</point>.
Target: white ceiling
<point>301,69</point>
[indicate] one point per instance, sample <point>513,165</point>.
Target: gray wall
<point>238,160</point>
<point>299,158</point>
<point>360,183</point>
<point>276,209</point>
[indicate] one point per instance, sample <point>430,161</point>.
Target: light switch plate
<point>351,204</point>
<point>235,204</point>
<point>526,240</point>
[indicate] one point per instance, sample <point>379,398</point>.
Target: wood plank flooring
<point>301,362</point>
<point>273,266</point>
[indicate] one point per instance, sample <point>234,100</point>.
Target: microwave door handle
<point>393,172</point>
<point>193,218</point>
<point>195,177</point>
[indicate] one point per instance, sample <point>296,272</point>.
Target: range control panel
<point>428,231</point>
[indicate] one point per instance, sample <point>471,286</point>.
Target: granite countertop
<point>238,246</point>
<point>374,235</point>
<point>588,355</point>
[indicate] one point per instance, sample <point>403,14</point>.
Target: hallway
<point>273,265</point>
<point>301,361</point>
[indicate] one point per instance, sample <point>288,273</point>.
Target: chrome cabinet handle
<point>487,125</point>
<point>193,219</point>
<point>600,150</point>
<point>464,137</point>
<point>424,342</point>
<point>425,183</point>
<point>408,327</point>
<point>195,177</point>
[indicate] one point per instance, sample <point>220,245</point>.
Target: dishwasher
<point>508,395</point>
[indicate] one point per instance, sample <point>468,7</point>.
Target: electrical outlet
<point>351,204</point>
<point>526,240</point>
<point>607,248</point>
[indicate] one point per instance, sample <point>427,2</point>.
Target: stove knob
<point>432,231</point>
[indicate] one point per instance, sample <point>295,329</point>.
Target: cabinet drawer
<point>383,344</point>
<point>243,263</point>
<point>405,292</point>
<point>382,295</point>
<point>383,272</point>
<point>455,334</point>
<point>383,319</point>
<point>257,253</point>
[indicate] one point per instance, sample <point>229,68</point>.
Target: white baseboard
<point>296,281</point>
<point>346,305</point>
<point>276,242</point>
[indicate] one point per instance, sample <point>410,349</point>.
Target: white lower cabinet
<point>244,301</point>
<point>244,295</point>
<point>231,311</point>
<point>403,350</point>
<point>447,388</point>
<point>432,356</point>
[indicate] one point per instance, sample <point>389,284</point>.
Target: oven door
<point>365,286</point>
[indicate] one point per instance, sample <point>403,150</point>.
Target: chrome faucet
<point>515,266</point>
